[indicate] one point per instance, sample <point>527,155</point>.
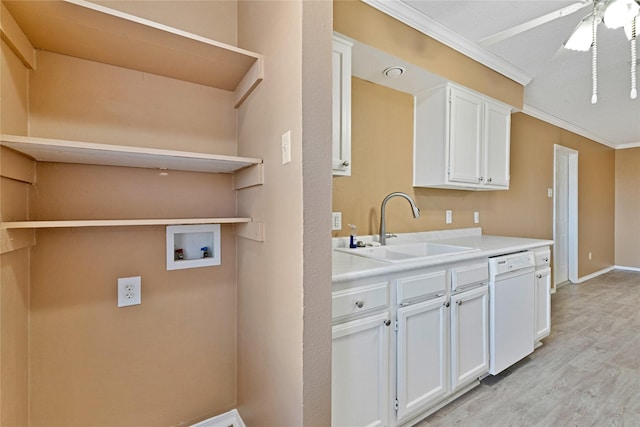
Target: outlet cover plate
<point>129,291</point>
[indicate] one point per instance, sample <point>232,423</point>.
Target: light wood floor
<point>587,373</point>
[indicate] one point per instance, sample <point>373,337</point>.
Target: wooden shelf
<point>120,222</point>
<point>61,151</point>
<point>89,31</point>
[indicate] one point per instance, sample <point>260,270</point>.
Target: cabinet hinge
<point>395,325</point>
<point>397,404</point>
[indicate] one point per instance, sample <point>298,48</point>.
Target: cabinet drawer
<point>462,277</point>
<point>360,300</point>
<point>410,288</point>
<point>543,257</point>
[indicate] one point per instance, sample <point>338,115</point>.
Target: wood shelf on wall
<point>96,33</point>
<point>63,151</point>
<point>119,222</point>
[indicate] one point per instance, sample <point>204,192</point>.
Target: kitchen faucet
<point>383,226</point>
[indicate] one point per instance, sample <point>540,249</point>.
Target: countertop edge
<point>378,268</point>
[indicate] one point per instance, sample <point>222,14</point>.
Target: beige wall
<point>281,320</point>
<point>171,359</point>
<point>15,173</point>
<point>87,101</point>
<point>382,138</point>
<point>627,207</point>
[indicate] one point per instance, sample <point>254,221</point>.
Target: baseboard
<point>228,419</point>
<point>596,274</point>
<point>622,267</point>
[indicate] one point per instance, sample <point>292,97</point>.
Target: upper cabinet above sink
<point>461,137</point>
<point>461,140</point>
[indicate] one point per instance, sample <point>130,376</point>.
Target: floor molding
<point>228,419</point>
<point>622,267</point>
<point>596,274</point>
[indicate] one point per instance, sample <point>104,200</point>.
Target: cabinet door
<point>469,336</point>
<point>421,356</point>
<point>497,136</point>
<point>543,303</point>
<point>360,372</point>
<point>341,96</point>
<point>465,136</point>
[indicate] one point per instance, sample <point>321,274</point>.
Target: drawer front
<point>462,277</point>
<point>543,257</point>
<point>410,288</point>
<point>360,300</point>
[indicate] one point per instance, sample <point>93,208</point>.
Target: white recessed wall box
<point>191,246</point>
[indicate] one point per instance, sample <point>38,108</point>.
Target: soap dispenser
<point>352,239</point>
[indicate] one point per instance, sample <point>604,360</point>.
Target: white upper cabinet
<point>461,140</point>
<point>341,96</point>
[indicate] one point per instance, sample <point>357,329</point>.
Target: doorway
<point>565,216</point>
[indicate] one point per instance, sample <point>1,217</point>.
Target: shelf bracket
<point>249,82</point>
<point>249,177</point>
<point>250,230</point>
<point>12,240</point>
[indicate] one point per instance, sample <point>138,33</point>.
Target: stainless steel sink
<point>407,252</point>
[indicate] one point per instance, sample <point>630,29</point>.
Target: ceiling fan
<point>613,13</point>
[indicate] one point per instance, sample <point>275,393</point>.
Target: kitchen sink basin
<point>407,252</point>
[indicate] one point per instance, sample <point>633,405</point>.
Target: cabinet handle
<point>490,179</point>
<point>539,276</point>
<point>359,304</point>
<point>345,163</point>
<point>387,322</point>
<point>545,259</point>
<point>459,302</point>
<point>447,304</point>
<point>481,179</point>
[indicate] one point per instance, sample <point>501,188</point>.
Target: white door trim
<point>572,211</point>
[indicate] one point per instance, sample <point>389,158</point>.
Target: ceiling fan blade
<point>526,26</point>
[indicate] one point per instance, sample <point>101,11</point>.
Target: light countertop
<point>347,267</point>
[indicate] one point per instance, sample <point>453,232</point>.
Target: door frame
<point>572,226</point>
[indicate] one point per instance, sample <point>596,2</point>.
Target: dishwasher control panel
<point>512,262</point>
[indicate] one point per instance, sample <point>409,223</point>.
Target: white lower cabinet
<point>360,372</point>
<point>384,375</point>
<point>469,336</point>
<point>421,359</point>
<point>442,342</point>
<point>542,303</point>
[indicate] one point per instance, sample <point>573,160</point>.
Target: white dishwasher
<point>511,309</point>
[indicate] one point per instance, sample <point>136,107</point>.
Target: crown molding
<point>546,117</point>
<point>629,145</point>
<point>413,18</point>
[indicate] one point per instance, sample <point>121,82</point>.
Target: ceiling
<point>557,81</point>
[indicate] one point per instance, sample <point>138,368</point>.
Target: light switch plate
<point>286,147</point>
<point>336,221</point>
<point>448,218</point>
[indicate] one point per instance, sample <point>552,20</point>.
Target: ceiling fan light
<point>582,37</point>
<point>620,12</point>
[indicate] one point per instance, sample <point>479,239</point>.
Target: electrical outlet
<point>129,292</point>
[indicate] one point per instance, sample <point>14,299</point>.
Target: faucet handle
<point>389,235</point>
